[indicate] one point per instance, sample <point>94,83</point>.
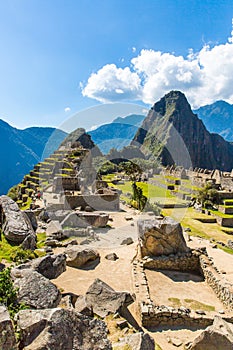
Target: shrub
<point>8,293</point>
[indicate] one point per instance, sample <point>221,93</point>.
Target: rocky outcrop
<point>80,136</point>
<point>50,266</point>
<point>217,336</point>
<point>161,237</point>
<point>78,256</point>
<point>54,230</point>
<point>15,224</point>
<point>105,300</point>
<point>7,335</point>
<point>173,132</point>
<point>36,291</point>
<point>59,329</point>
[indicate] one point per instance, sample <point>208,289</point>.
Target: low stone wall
<point>186,262</point>
<point>157,316</point>
<point>65,184</point>
<point>109,202</point>
<point>222,288</point>
<point>225,222</point>
<point>225,210</point>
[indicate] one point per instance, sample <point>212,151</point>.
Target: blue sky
<point>60,57</point>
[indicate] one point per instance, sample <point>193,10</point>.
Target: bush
<point>8,293</point>
<point>22,255</point>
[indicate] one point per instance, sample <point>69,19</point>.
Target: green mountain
<point>218,118</point>
<point>174,133</point>
<point>20,150</point>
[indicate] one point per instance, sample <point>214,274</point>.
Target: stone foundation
<point>222,288</point>
<point>185,262</point>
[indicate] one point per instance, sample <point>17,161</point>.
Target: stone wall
<point>109,202</point>
<point>186,262</point>
<point>65,184</point>
<point>222,288</point>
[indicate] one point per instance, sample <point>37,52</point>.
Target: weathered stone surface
<point>59,329</point>
<point>37,291</point>
<point>94,219</point>
<point>127,241</point>
<point>138,341</point>
<point>215,337</point>
<point>7,335</point>
<point>72,220</point>
<point>111,256</point>
<point>58,215</point>
<point>15,224</point>
<point>105,300</point>
<point>82,307</point>
<point>29,242</point>
<point>78,256</point>
<point>54,229</point>
<point>50,266</point>
<point>161,237</point>
<point>32,217</point>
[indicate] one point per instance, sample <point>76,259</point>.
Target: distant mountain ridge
<point>171,129</point>
<point>20,150</point>
<point>218,118</point>
<point>117,134</point>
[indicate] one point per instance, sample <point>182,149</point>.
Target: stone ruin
<point>162,247</point>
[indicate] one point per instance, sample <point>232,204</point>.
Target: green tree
<point>208,196</point>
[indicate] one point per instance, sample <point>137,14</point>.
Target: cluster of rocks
<point>70,317</point>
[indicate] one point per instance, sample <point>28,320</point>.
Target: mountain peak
<point>170,124</point>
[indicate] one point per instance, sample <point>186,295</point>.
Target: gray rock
<point>161,237</point>
<point>15,225</point>
<point>138,341</point>
<point>127,241</point>
<point>70,242</point>
<point>36,291</point>
<point>54,230</point>
<point>32,217</point>
<point>215,337</point>
<point>111,256</point>
<point>78,256</point>
<point>82,307</point>
<point>7,335</point>
<point>72,220</point>
<point>105,300</point>
<point>59,329</point>
<point>58,215</point>
<point>50,266</point>
<point>29,242</point>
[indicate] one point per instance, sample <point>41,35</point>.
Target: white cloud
<point>67,109</point>
<point>204,76</point>
<point>134,49</point>
<point>111,84</point>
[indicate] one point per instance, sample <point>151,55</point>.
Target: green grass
<point>220,214</point>
<point>197,305</point>
<point>41,237</point>
<point>191,303</point>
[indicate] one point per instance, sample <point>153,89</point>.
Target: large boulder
<point>72,220</point>
<point>54,230</point>
<point>50,266</point>
<point>78,256</point>
<point>105,300</point>
<point>15,224</point>
<point>59,329</point>
<point>215,337</point>
<point>137,341</point>
<point>7,335</point>
<point>36,291</point>
<point>161,237</point>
